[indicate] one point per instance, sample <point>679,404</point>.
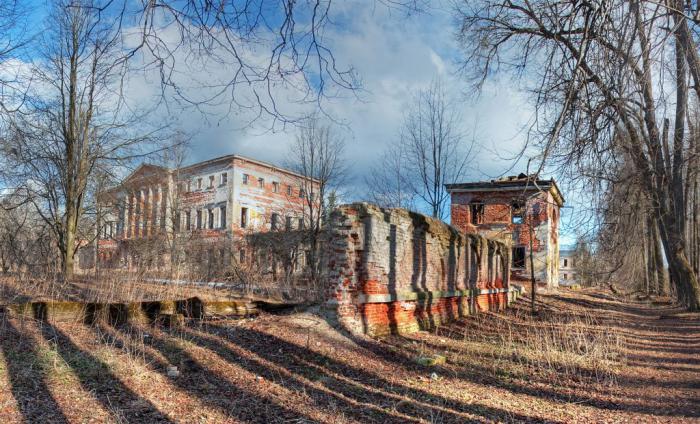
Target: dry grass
<point>562,347</point>
<point>583,360</point>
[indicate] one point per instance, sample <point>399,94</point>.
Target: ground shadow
<point>27,378</point>
<point>349,384</point>
<point>95,377</point>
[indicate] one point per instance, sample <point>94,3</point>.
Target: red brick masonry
<point>395,271</point>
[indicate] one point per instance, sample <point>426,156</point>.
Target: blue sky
<point>394,55</point>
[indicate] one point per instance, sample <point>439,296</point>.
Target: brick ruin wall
<point>395,271</point>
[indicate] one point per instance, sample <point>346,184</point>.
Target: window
<point>289,190</point>
<point>288,223</point>
<point>210,219</point>
<point>301,192</point>
<point>301,223</point>
<point>189,186</point>
<point>261,182</point>
<point>241,256</point>
<point>275,187</point>
<point>224,179</point>
<point>188,220</point>
<point>518,257</point>
<point>222,218</point>
<point>176,224</point>
<point>476,209</point>
<point>181,187</point>
<point>199,219</point>
<point>211,181</point>
<point>516,213</point>
<point>566,276</point>
<point>566,263</point>
<point>199,183</point>
<point>244,217</point>
<point>274,223</point>
<point>245,178</point>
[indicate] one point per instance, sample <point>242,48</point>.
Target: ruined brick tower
<point>519,209</point>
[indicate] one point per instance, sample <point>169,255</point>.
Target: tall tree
<point>75,124</point>
<point>597,70</point>
<point>430,153</point>
<point>317,155</point>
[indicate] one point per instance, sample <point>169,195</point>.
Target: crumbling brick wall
<point>395,271</point>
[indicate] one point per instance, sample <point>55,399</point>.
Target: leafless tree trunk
<point>75,124</point>
<point>317,156</point>
<point>431,152</point>
<point>386,183</point>
<point>596,63</point>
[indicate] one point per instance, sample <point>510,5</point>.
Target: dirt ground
<point>587,358</point>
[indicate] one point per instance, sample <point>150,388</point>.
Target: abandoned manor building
<point>518,209</point>
<point>204,207</point>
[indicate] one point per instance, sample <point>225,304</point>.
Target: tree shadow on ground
<point>95,377</point>
<point>27,377</point>
<point>212,389</point>
<point>367,395</point>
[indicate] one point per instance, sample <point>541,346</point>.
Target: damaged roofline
<point>539,185</point>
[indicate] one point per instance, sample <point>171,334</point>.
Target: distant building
<point>567,267</point>
<point>519,210</point>
<point>206,207</point>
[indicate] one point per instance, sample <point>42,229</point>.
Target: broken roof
<point>510,183</point>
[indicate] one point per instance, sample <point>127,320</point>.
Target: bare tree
<point>75,124</point>
<point>597,70</point>
<point>317,155</point>
<point>13,37</point>
<point>386,180</point>
<point>431,152</point>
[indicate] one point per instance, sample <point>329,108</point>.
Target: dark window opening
<point>288,223</point>
<point>517,213</point>
<point>275,221</point>
<point>476,209</point>
<point>244,217</point>
<point>518,257</point>
<point>222,217</point>
<point>566,263</point>
<point>210,218</point>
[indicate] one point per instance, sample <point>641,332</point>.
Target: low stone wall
<point>395,271</point>
<point>170,312</point>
